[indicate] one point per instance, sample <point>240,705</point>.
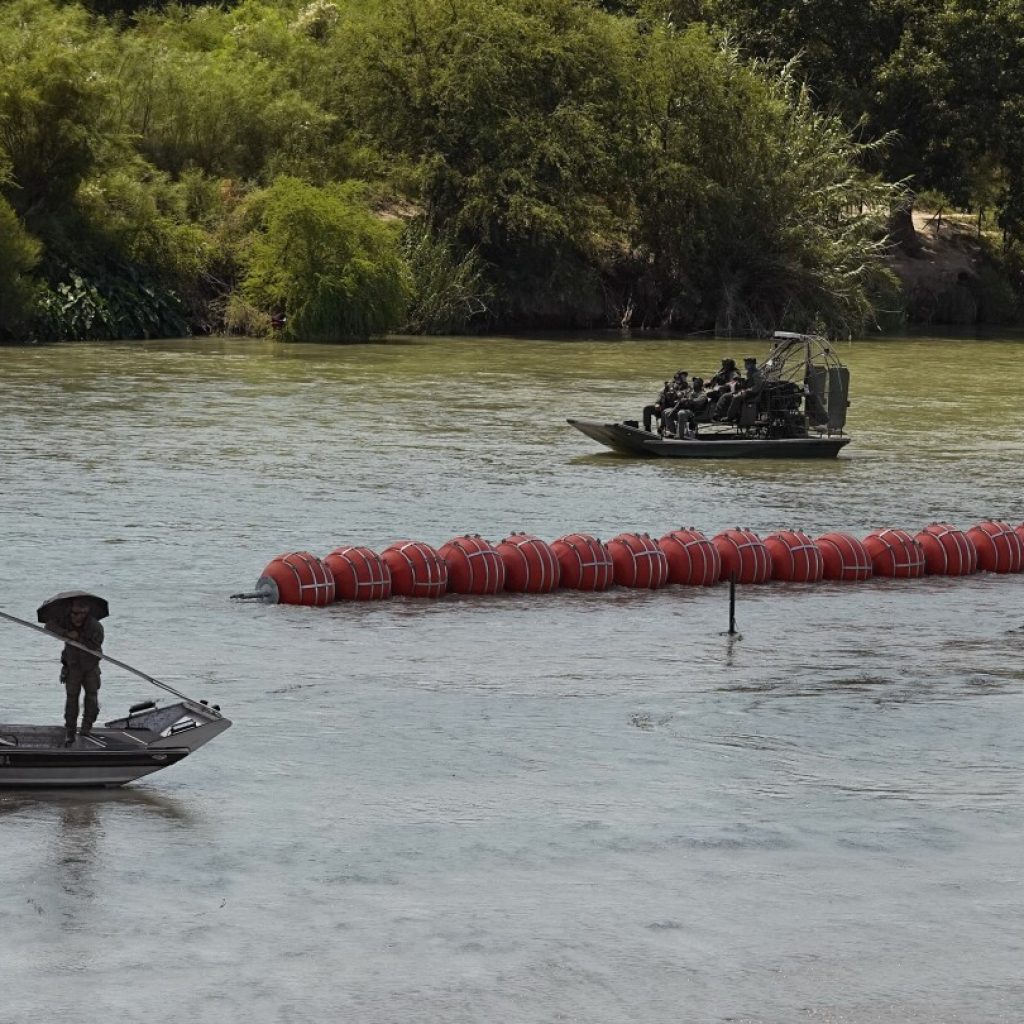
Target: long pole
<point>99,654</point>
<point>732,604</point>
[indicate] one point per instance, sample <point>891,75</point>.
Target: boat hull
<point>35,757</point>
<point>629,440</point>
<point>65,769</point>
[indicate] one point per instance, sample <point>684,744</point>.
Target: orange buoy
<point>744,555</point>
<point>531,566</point>
<point>894,553</point>
<point>795,557</point>
<point>1000,548</point>
<point>474,565</point>
<point>417,570</point>
<point>359,574</point>
<point>844,557</point>
<point>692,559</point>
<point>297,578</point>
<point>584,561</point>
<point>638,561</point>
<point>947,550</point>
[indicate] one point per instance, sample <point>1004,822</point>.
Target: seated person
<point>726,374</point>
<point>753,385</point>
<point>665,400</point>
<point>682,419</point>
<point>722,397</point>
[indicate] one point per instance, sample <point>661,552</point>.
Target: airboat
<point>800,413</point>
<point>147,739</point>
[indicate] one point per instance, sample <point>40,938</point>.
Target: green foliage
<point>448,289</point>
<point>324,260</point>
<point>998,303</point>
<point>946,77</point>
<point>568,162</point>
<point>242,317</point>
<point>142,216</point>
<point>19,253</point>
<point>53,100</point>
<point>212,90</point>
<point>510,110</point>
<point>107,305</point>
<point>767,224</point>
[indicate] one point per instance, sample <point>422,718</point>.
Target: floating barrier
<point>638,561</point>
<point>795,557</point>
<point>474,565</point>
<point>844,557</point>
<point>523,563</point>
<point>895,553</point>
<point>296,578</point>
<point>744,556</point>
<point>1000,547</point>
<point>417,570</point>
<point>531,566</point>
<point>359,574</point>
<point>585,562</point>
<point>947,550</point>
<point>692,559</point>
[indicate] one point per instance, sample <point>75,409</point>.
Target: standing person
<point>80,671</point>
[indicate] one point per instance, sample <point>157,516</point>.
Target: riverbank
<point>953,278</point>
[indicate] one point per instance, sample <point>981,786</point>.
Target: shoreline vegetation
<point>332,171</point>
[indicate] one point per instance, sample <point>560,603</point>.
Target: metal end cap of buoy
<point>266,590</point>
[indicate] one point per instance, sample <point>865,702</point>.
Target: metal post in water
<point>732,604</point>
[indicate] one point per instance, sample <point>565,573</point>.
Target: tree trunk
<point>901,228</point>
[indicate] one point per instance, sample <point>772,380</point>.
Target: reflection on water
<point>85,804</point>
<point>571,807</point>
<point>76,836</point>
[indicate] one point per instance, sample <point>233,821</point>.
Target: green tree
<point>944,77</point>
<point>219,91</point>
<point>323,259</point>
<point>19,253</point>
<point>508,111</point>
<point>750,210</point>
<point>53,98</point>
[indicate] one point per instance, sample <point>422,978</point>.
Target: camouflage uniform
<point>80,672</point>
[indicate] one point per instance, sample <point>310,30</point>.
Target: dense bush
<point>19,254</point>
<point>555,162</point>
<point>323,260</point>
<point>448,291</point>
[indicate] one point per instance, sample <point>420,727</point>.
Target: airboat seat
<point>750,412</point>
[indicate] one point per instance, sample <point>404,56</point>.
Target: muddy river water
<point>588,808</point>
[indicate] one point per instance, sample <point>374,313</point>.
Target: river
<point>591,808</point>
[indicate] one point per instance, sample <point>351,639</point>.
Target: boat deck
<point>41,737</point>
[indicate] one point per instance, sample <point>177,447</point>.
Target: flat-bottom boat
<point>634,440</point>
<point>798,412</point>
<point>147,739</point>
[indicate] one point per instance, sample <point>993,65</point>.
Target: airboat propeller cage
<point>808,361</point>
